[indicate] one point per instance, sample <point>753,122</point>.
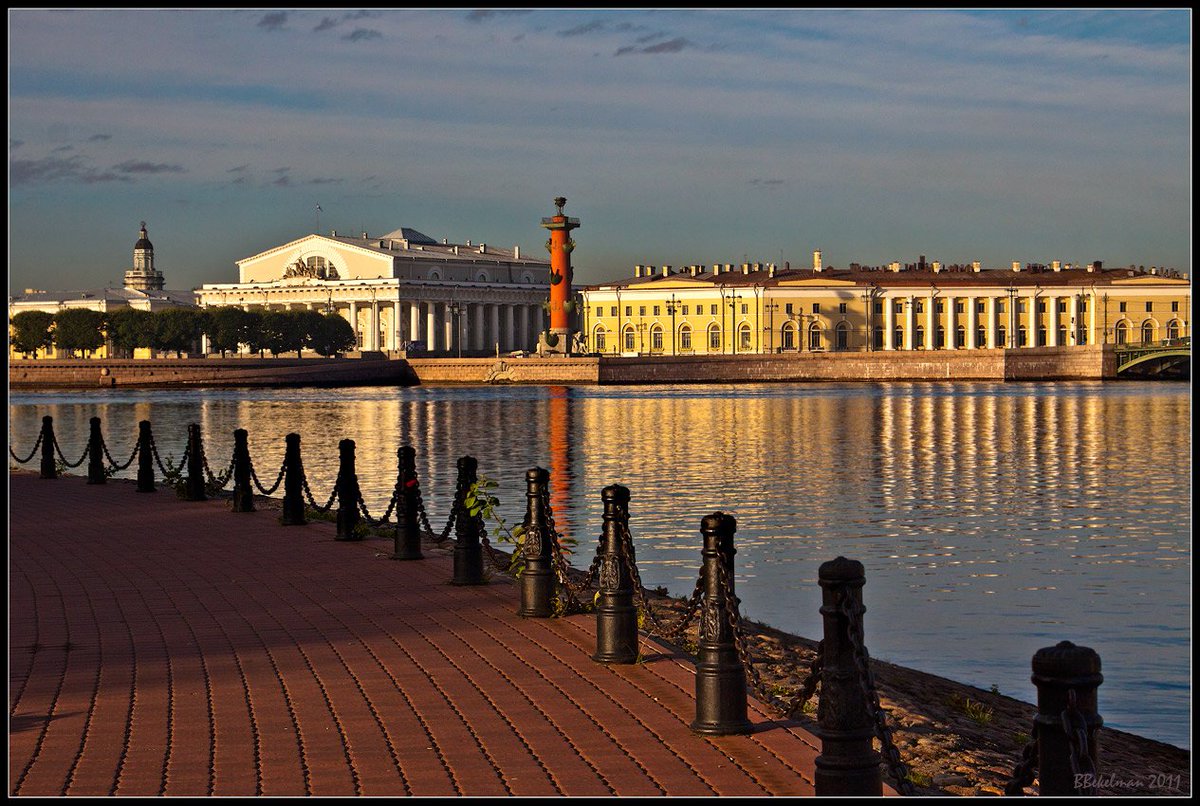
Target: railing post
<point>407,545</point>
<point>293,483</point>
<point>48,470</point>
<point>537,575</point>
<point>243,494</point>
<point>194,487</point>
<point>616,615</point>
<point>468,550</point>
<point>347,493</point>
<point>145,472</point>
<point>1067,678</point>
<point>96,454</point>
<point>720,676</point>
<point>847,765</point>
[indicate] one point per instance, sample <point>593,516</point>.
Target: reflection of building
<point>757,308</point>
<point>143,290</point>
<point>399,289</point>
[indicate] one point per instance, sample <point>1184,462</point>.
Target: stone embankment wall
<point>167,372</point>
<point>533,369</point>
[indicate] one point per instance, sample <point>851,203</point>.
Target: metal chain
<point>807,689</point>
<point>312,501</point>
<point>278,479</point>
<point>362,507</point>
<point>568,593</point>
<point>866,681</point>
<point>108,456</point>
<point>58,450</point>
<point>625,546</point>
<point>425,518</point>
<point>32,453</point>
<point>1075,727</point>
<point>1026,769</point>
<point>166,473</point>
<point>214,480</point>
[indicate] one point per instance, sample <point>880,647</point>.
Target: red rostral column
<point>560,246</point>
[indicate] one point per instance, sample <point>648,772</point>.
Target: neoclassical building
<point>758,308</point>
<point>402,291</point>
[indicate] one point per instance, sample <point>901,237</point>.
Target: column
<point>493,326</point>
<point>1092,313</point>
<point>354,321</point>
<point>523,342</point>
<point>930,322</point>
<point>397,330</point>
<point>1032,326</point>
<point>414,321</point>
<point>431,329</point>
<point>991,323</point>
<point>951,324</point>
<point>972,322</point>
<point>478,331</point>
<point>506,328</point>
<point>450,326</point>
<point>889,322</point>
<point>910,322</point>
<point>372,335</point>
<point>1052,327</point>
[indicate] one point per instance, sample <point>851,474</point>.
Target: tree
<point>178,329</point>
<point>282,332</point>
<point>251,333</point>
<point>309,323</point>
<point>130,328</point>
<point>227,328</point>
<point>31,331</point>
<point>333,335</point>
<point>78,329</point>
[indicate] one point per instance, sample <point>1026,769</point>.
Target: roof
<point>121,295</point>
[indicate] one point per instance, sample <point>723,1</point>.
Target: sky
<point>678,136</point>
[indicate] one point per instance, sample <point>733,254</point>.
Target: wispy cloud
<point>274,21</point>
<point>142,167</point>
<point>480,14</point>
<point>99,138</point>
<point>362,34</point>
<point>327,23</point>
<point>55,169</point>
<point>583,28</point>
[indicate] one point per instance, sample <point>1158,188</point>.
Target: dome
<point>143,242</point>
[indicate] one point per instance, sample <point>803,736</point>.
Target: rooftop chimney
<point>333,233</point>
<point>894,265</point>
<point>771,270</point>
<point>482,248</point>
<point>716,269</point>
<point>1016,265</point>
<point>1056,265</point>
<point>637,270</point>
<point>975,266</point>
<point>516,253</point>
<point>693,269</point>
<point>666,271</point>
<point>937,266</point>
<point>364,235</point>
<point>745,268</point>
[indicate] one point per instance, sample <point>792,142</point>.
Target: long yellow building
<point>759,308</point>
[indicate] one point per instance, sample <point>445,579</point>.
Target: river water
<point>993,519</point>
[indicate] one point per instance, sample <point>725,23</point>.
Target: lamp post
<point>456,311</point>
<point>672,305</point>
<point>732,302</point>
<point>770,308</point>
<point>1012,313</point>
<point>641,329</point>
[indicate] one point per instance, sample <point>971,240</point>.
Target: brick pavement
<point>165,647</point>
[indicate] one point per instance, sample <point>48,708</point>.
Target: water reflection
<point>992,518</point>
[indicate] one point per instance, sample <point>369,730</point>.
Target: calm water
<point>993,519</point>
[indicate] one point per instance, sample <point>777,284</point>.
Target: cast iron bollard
<point>407,545</point>
<point>347,493</point>
<point>293,483</point>
<point>1058,672</point>
<point>847,765</point>
<point>243,493</point>
<point>537,577</point>
<point>468,550</point>
<point>194,487</point>
<point>95,454</point>
<point>49,471</point>
<point>145,449</point>
<point>720,676</point>
<point>616,615</point>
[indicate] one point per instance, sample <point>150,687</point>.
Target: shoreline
<point>948,751</point>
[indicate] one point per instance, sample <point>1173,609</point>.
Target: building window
<point>897,339</point>
<point>878,307</point>
<point>939,338</point>
<point>1147,331</point>
<point>787,308</point>
<point>714,337</point>
<point>919,338</point>
<point>1062,306</point>
<point>712,310</point>
<point>1081,336</point>
<point>629,310</point>
<point>1002,336</point>
<point>685,310</point>
<point>814,337</point>
<point>612,311</point>
<point>745,308</point>
<point>899,306</point>
<point>1041,306</point>
<point>877,339</point>
<point>960,336</point>
<point>685,338</point>
<point>1022,336</point>
<point>980,337</point>
<point>1041,336</point>
<point>600,340</point>
<point>939,307</point>
<point>958,306</point>
<point>1121,307</point>
<point>1122,332</point>
<point>999,306</point>
<point>744,337</point>
<point>1173,329</point>
<point>787,337</point>
<point>817,307</point>
<point>980,307</point>
<point>656,310</point>
<point>629,343</point>
<point>1021,306</point>
<point>1062,337</point>
<point>841,308</point>
<point>599,311</point>
<point>641,310</point>
<point>1149,307</point>
<point>1175,306</point>
<point>656,340</point>
<point>920,306</point>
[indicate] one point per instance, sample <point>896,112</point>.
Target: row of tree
<point>77,330</point>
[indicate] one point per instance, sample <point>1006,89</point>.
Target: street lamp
<point>672,305</point>
<point>456,311</point>
<point>770,308</point>
<point>1012,314</point>
<point>732,301</point>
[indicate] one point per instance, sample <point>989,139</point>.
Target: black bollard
<point>616,615</point>
<point>1067,678</point>
<point>407,544</point>
<point>145,449</point>
<point>194,486</point>
<point>96,454</point>
<point>468,550</point>
<point>537,576</point>
<point>347,493</point>
<point>243,494</point>
<point>720,676</point>
<point>847,765</point>
<point>293,483</point>
<point>48,470</point>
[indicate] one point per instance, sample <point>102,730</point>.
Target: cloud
<point>63,148</point>
<point>51,169</point>
<point>584,28</point>
<point>323,181</point>
<point>273,21</point>
<point>97,138</point>
<point>327,23</point>
<point>14,144</point>
<point>670,46</point>
<point>481,14</point>
<point>361,34</point>
<point>141,167</point>
<point>237,169</point>
<point>283,181</point>
<point>772,182</point>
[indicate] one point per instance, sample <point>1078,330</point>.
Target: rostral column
<point>561,302</point>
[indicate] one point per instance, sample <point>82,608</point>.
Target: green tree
<point>178,329</point>
<point>332,336</point>
<point>252,333</point>
<point>130,328</point>
<point>31,332</point>
<point>78,329</point>
<point>282,331</point>
<point>227,328</point>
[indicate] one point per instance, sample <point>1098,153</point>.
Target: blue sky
<point>678,136</point>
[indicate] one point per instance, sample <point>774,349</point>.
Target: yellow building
<point>759,308</point>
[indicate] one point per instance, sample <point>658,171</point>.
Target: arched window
<point>1148,332</point>
<point>482,277</point>
<point>1002,336</point>
<point>630,342</point>
<point>1081,335</point>
<point>919,338</point>
<point>435,275</point>
<point>939,338</point>
<point>787,337</point>
<point>1022,336</point>
<point>744,337</point>
<point>877,339</point>
<point>685,338</point>
<point>841,336</point>
<point>600,339</point>
<point>898,339</point>
<point>714,338</point>
<point>1062,336</point>
<point>527,278</point>
<point>656,339</point>
<point>1122,333</point>
<point>815,339</point>
<point>1173,330</point>
<point>1041,335</point>
<point>981,337</point>
<point>960,336</point>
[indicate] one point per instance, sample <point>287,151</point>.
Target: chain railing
<point>33,453</point>
<point>58,450</point>
<point>267,491</point>
<point>113,464</point>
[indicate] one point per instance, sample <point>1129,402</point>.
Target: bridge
<point>1164,359</point>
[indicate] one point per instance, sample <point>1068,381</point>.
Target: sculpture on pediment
<point>305,271</point>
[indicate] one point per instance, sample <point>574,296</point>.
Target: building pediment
<point>1150,279</point>
<point>809,282</point>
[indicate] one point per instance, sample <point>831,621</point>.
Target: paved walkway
<point>165,647</point>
